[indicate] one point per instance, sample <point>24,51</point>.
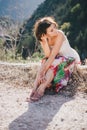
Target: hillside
<point>18,10</point>
<point>53,8</point>
<point>71,17</point>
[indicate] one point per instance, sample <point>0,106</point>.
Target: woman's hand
<point>44,39</point>
<point>43,79</point>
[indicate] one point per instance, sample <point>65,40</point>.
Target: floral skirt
<point>62,68</point>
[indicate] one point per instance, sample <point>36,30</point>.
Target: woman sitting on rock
<point>60,58</point>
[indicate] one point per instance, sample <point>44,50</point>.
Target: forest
<point>71,18</point>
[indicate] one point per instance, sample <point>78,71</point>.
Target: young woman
<point>59,60</point>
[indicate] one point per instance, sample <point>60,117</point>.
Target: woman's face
<point>52,31</point>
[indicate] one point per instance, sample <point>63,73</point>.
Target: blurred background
<point>17,18</point>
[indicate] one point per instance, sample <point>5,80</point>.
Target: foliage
<point>37,56</point>
<point>65,27</point>
<point>76,8</point>
<point>71,17</point>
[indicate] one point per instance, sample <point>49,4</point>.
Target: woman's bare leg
<point>40,90</point>
<point>36,82</point>
<point>36,85</point>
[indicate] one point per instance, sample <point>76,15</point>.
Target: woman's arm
<point>45,47</point>
<point>54,52</point>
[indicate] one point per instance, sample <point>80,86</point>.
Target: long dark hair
<point>41,26</point>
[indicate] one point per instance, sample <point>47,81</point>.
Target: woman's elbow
<point>47,55</point>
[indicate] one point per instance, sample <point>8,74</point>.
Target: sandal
<point>36,96</point>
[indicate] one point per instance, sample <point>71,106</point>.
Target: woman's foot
<point>34,98</point>
<point>28,99</point>
<point>38,94</point>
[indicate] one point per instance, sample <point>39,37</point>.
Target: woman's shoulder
<point>62,34</point>
<point>60,31</point>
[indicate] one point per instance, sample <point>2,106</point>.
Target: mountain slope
<point>18,9</point>
<point>53,8</point>
<point>71,17</point>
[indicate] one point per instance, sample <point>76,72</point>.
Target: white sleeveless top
<point>67,51</point>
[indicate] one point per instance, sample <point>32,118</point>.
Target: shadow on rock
<point>39,114</point>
